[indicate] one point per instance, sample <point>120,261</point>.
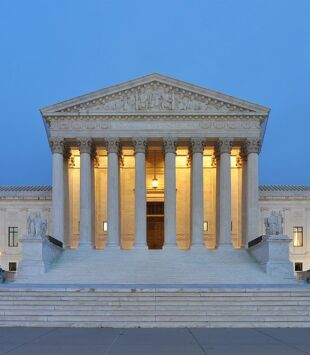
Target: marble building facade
<point>155,163</point>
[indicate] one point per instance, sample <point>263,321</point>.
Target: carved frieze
<point>155,96</point>
<point>170,144</point>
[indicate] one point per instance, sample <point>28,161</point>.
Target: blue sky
<point>257,50</point>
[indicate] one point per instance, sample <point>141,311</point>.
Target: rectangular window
<point>298,266</point>
<point>12,266</point>
<point>298,236</point>
<point>13,236</point>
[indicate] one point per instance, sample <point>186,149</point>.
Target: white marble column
<point>170,144</point>
<point>113,240</point>
<point>197,207</point>
<point>67,226</point>
<point>57,146</point>
<point>224,193</point>
<point>140,192</point>
<point>251,149</point>
<point>85,145</point>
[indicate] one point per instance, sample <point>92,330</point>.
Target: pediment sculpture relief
<point>155,97</point>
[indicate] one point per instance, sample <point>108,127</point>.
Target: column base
<point>170,247</point>
<point>113,246</point>
<point>85,245</point>
<point>225,246</point>
<point>197,246</point>
<point>140,246</point>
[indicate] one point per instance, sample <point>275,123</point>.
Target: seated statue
<point>274,224</point>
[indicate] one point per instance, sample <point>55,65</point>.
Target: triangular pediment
<point>154,94</point>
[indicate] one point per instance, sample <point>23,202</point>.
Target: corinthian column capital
<point>170,144</point>
<point>251,145</point>
<point>57,145</point>
<point>112,145</point>
<point>85,144</point>
<point>197,145</point>
<point>223,145</point>
<point>139,144</point>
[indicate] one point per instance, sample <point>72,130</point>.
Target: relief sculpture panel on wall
<point>156,97</point>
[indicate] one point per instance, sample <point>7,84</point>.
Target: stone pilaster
<point>140,144</point>
<point>113,148</point>
<point>170,145</point>
<point>86,205</point>
<point>57,147</point>
<point>223,150</point>
<point>197,207</point>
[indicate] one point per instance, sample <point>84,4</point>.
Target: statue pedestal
<point>272,253</point>
<point>32,258</point>
<point>37,255</point>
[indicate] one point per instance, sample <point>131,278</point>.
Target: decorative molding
<point>223,145</point>
<point>85,144</point>
<point>102,121</point>
<point>251,145</point>
<point>139,144</point>
<point>57,145</point>
<point>112,145</point>
<point>170,144</point>
<point>197,145</point>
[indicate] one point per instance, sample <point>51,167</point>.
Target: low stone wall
<point>37,255</point>
<point>272,253</point>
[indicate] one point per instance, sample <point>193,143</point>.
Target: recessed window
<point>13,236</point>
<point>298,236</point>
<point>298,266</point>
<point>105,226</point>
<point>12,266</point>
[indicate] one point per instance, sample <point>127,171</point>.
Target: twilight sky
<point>256,50</point>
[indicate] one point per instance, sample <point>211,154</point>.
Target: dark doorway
<point>155,225</point>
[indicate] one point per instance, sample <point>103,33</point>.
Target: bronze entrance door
<point>155,225</point>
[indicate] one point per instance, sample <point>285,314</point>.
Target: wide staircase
<point>222,306</point>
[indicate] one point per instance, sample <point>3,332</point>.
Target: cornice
<point>63,115</point>
<point>156,117</point>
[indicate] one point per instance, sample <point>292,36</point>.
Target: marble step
<point>150,312</point>
<point>172,307</point>
<point>157,324</point>
<point>154,308</point>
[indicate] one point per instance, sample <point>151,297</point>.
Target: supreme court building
<point>155,163</point>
